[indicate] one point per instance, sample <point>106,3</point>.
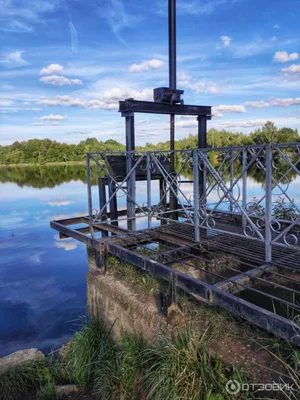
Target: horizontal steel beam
<point>131,105</point>
<point>210,294</point>
<point>237,283</point>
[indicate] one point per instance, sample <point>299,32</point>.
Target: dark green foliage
<point>20,382</point>
<point>47,392</point>
<point>90,346</point>
<point>37,151</point>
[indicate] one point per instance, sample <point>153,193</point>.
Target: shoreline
<point>49,164</point>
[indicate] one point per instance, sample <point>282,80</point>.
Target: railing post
<point>113,205</point>
<point>89,193</point>
<point>268,216</point>
<point>244,195</point>
<point>231,180</point>
<point>196,194</point>
<point>130,147</point>
<point>148,163</point>
<point>102,202</point>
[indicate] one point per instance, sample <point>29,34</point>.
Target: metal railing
<point>251,191</point>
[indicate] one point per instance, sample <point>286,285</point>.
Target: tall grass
<point>182,369</point>
<point>91,345</point>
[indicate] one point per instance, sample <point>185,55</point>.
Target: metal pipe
<point>172,44</point>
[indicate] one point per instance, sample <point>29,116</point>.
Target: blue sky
<point>66,63</point>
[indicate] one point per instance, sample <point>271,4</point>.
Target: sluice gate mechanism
<point>167,212</point>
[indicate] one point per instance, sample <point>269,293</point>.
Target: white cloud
<point>52,69</point>
<point>273,39</point>
<point>52,117</point>
<point>226,40</point>
<point>66,245</point>
<point>243,123</point>
<point>60,80</point>
<point>276,26</point>
<point>14,59</point>
<point>285,102</point>
<point>65,101</point>
<point>46,124</point>
<point>187,124</point>
<point>217,114</point>
<point>146,65</point>
<point>229,109</point>
<point>253,122</point>
<point>292,72</point>
<point>283,56</point>
<point>60,203</point>
<point>107,101</point>
<point>202,86</point>
<point>257,104</point>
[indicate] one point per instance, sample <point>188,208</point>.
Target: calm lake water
<point>43,279</point>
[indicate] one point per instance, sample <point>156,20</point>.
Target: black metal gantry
<point>128,108</point>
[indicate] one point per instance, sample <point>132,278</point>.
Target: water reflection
<point>42,279</point>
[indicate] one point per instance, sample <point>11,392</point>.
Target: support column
<point>202,144</point>
<point>89,193</point>
<point>196,195</point>
<point>268,232</point>
<point>113,206</point>
<point>244,196</point>
<point>130,148</point>
<point>102,203</point>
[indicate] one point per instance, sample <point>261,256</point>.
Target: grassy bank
<point>177,368</point>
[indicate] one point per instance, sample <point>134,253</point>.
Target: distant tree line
<point>44,151</point>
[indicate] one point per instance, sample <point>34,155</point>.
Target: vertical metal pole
<point>130,147</point>
<point>172,85</point>
<point>102,202</point>
<point>172,44</point>
<point>148,159</point>
<point>196,194</point>
<point>231,180</point>
<point>202,144</point>
<point>113,206</point>
<point>268,217</point>
<point>244,169</point>
<point>89,193</point>
<point>162,191</point>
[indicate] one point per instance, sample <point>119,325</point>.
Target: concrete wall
<point>118,303</point>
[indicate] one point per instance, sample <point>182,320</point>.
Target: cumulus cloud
<point>64,101</point>
<point>146,65</point>
<point>202,86</point>
<point>187,123</point>
<point>226,40</point>
<point>286,102</point>
<point>257,104</point>
<point>107,101</point>
<point>52,69</point>
<point>52,117</point>
<point>60,80</point>
<point>14,59</point>
<point>229,109</point>
<point>292,72</point>
<point>276,26</point>
<point>283,56</point>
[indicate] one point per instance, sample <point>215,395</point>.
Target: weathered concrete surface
<point>20,357</point>
<point>122,308</point>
